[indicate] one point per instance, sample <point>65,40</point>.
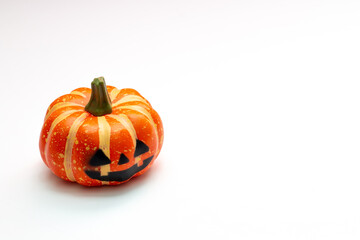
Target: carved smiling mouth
<point>100,159</point>
<point>119,176</point>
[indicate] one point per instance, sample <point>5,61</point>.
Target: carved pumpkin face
<point>101,160</point>
<point>113,138</point>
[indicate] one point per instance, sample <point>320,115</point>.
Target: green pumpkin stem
<point>100,102</point>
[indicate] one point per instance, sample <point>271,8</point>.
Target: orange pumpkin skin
<point>71,136</point>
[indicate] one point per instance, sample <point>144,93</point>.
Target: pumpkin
<point>100,136</point>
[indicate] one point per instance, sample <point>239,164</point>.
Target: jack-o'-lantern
<point>100,136</point>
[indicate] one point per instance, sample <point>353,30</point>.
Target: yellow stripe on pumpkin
<point>146,114</point>
<point>104,144</point>
<point>114,93</point>
<point>127,124</point>
<point>78,93</point>
<point>70,143</point>
<point>57,120</point>
<point>129,98</point>
<point>58,106</point>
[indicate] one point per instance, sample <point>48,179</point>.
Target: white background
<point>259,100</point>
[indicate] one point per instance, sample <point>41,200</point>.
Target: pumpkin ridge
<point>126,92</point>
<point>113,94</point>
<point>104,142</point>
<point>130,98</point>
<point>59,106</point>
<point>54,123</point>
<point>127,124</point>
<point>78,93</point>
<point>144,112</point>
<point>70,144</point>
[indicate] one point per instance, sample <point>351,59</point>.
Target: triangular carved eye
<point>141,148</point>
<point>99,159</point>
<point>123,159</point>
